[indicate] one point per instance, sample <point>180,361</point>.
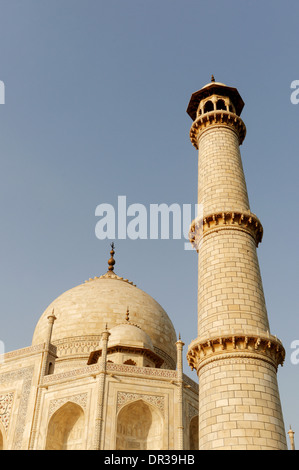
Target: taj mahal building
<point>104,370</point>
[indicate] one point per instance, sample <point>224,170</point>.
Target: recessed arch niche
<point>139,427</point>
<point>193,433</point>
<point>65,429</point>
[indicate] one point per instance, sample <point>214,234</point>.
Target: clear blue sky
<point>95,101</point>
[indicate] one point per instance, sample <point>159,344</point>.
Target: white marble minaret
<point>235,355</point>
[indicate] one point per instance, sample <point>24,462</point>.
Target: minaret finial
<point>128,314</point>
<point>111,261</point>
<point>212,78</point>
<point>291,436</point>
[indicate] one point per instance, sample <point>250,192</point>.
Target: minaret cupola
<point>215,96</point>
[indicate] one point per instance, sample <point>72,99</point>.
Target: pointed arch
<point>139,427</point>
<point>65,428</point>
<point>209,106</point>
<point>193,433</point>
<point>130,362</point>
<point>2,437</point>
<point>221,105</point>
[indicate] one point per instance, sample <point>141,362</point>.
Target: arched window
<point>208,106</point>
<point>193,433</point>
<point>65,429</point>
<point>139,427</point>
<point>220,105</point>
<point>129,362</point>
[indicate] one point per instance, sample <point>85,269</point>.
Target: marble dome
<point>127,334</point>
<point>83,313</point>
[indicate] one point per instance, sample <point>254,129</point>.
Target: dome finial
<point>128,314</point>
<point>212,78</point>
<point>111,261</point>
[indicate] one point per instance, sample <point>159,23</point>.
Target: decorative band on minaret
<point>235,355</point>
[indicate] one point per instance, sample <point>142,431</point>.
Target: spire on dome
<point>110,274</point>
<point>212,78</point>
<point>111,261</point>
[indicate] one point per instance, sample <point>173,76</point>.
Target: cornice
<point>91,371</point>
<point>95,355</point>
<point>217,118</point>
<point>267,348</point>
<point>232,220</point>
<point>29,351</point>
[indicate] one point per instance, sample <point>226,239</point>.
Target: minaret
<point>180,384</point>
<point>235,355</point>
<point>291,436</point>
